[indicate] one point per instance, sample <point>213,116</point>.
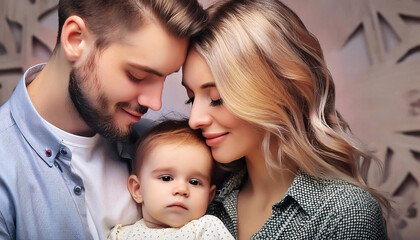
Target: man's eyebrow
<point>146,69</point>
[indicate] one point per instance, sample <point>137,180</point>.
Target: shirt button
<point>48,153</point>
<point>77,190</point>
<point>63,151</point>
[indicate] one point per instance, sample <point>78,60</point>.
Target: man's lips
<point>134,115</point>
<point>213,139</point>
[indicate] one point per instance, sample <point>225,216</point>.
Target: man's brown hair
<point>110,19</point>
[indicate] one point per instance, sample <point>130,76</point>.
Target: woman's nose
<point>199,117</point>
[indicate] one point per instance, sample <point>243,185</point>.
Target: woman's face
<point>229,137</point>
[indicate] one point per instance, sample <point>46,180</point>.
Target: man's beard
<point>100,121</point>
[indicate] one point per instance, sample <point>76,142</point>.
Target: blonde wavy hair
<point>270,71</point>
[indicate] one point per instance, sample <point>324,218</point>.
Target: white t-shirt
<point>108,200</point>
<point>207,227</point>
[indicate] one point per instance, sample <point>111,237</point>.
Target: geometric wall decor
<point>386,99</point>
<point>372,48</point>
<point>26,38</point>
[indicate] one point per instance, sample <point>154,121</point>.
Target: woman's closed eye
<point>190,101</point>
<point>217,102</point>
<point>213,103</point>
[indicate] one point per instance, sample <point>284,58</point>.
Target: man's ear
<point>134,188</point>
<point>73,37</point>
<point>212,192</point>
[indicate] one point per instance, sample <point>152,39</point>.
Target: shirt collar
<point>30,123</point>
<point>307,191</point>
<point>233,182</point>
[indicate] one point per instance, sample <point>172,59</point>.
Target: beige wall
<point>372,48</point>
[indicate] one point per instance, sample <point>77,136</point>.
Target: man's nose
<point>151,95</point>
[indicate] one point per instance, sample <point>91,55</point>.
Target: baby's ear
<point>134,188</point>
<point>212,192</point>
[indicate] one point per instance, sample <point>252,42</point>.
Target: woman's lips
<point>214,139</point>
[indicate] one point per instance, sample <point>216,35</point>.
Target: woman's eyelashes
<point>217,102</point>
<point>213,103</point>
<point>190,101</point>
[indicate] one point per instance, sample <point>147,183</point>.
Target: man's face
<point>114,87</point>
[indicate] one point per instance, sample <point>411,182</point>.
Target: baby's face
<point>175,184</point>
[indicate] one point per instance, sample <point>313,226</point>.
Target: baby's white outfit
<point>207,227</point>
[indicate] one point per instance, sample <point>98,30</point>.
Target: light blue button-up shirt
<point>41,197</point>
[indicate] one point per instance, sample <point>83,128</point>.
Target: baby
<point>172,182</point>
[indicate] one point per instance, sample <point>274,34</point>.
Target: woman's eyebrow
<point>204,86</point>
<point>208,85</point>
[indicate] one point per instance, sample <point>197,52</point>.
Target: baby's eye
<point>166,178</point>
<point>195,182</point>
